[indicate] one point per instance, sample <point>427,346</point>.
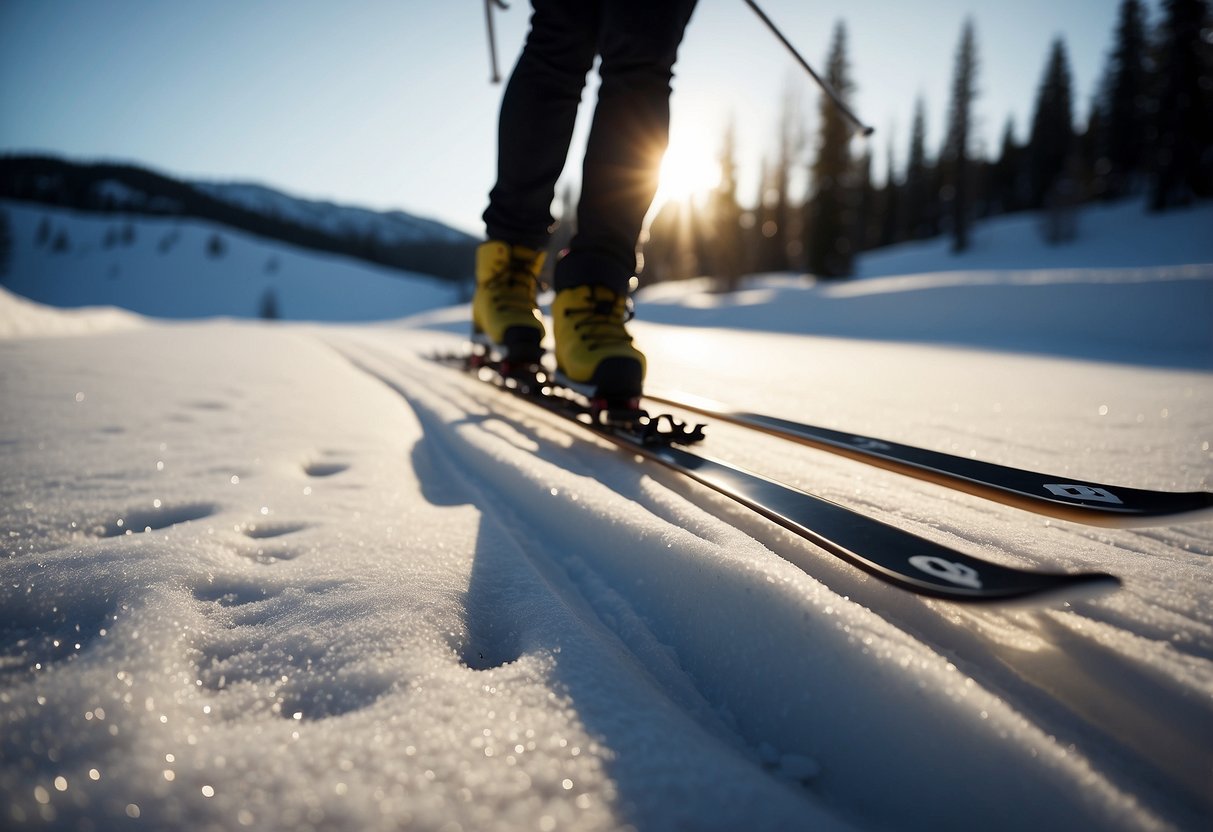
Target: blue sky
<point>386,103</point>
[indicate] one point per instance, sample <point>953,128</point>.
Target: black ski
<point>892,554</point>
<point>1054,495</point>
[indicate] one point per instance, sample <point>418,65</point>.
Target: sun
<point>688,170</point>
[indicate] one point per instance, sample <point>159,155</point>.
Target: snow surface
<point>164,267</point>
<point>295,576</point>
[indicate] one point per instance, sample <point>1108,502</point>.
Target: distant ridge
<point>395,239</point>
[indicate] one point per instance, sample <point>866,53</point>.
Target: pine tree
<point>960,123</point>
<point>267,308</point>
<point>701,238</point>
<point>656,243</point>
<point>1122,129</point>
<point>790,152</point>
<point>1006,184</point>
<point>831,213</point>
<point>1183,146</point>
<point>6,245</point>
<point>725,238</point>
<point>890,200</point>
<point>215,247</point>
<point>1092,163</point>
<point>934,204</point>
<point>917,196</point>
<point>864,233</point>
<point>756,245</point>
<point>1052,139</point>
<point>669,253</point>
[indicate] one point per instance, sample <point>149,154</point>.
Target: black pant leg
<point>538,111</point>
<point>638,42</point>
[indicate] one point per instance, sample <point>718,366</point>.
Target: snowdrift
<point>297,576</point>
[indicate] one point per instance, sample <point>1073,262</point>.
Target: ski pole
<point>821,82</point>
<point>488,21</point>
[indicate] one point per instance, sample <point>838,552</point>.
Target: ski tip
<point>1156,509</point>
<point>1066,590</point>
<point>1199,508</point>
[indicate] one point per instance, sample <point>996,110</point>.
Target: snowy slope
<point>390,227</point>
<point>1133,288</point>
<point>299,577</point>
<point>167,268</point>
<point>21,318</point>
<point>1118,236</point>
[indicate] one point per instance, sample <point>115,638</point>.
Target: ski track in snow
<point>750,711</point>
<point>361,563</point>
<point>296,576</point>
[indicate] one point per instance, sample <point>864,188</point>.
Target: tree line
<point>83,187</point>
<point>1147,135</point>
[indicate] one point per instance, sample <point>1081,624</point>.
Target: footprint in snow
<point>234,594</point>
<point>273,551</point>
<point>325,469</point>
<point>247,647</point>
<point>264,530</point>
<point>151,518</point>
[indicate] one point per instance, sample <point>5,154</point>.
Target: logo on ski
<point>866,443</point>
<point>1083,492</point>
<point>955,573</point>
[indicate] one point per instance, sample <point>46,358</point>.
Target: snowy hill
<point>390,227</point>
<point>180,268</point>
<point>1134,288</point>
<point>297,576</point>
<point>393,239</point>
<point>1118,236</point>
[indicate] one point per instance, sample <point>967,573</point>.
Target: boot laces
<point>601,323</point>
<point>514,287</point>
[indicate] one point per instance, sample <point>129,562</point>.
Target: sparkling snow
<point>294,576</point>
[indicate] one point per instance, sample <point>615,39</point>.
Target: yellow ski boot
<point>594,352</point>
<point>505,312</point>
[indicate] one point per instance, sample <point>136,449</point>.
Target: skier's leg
<point>538,110</point>
<point>638,42</point>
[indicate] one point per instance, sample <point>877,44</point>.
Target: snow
<point>296,576</point>
<point>167,268</point>
<point>1128,290</point>
<point>21,318</point>
<point>1116,236</point>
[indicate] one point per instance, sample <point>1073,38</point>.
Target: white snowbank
<point>21,318</point>
<point>297,577</point>
<point>1135,287</point>
<point>295,588</point>
<point>1123,235</point>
